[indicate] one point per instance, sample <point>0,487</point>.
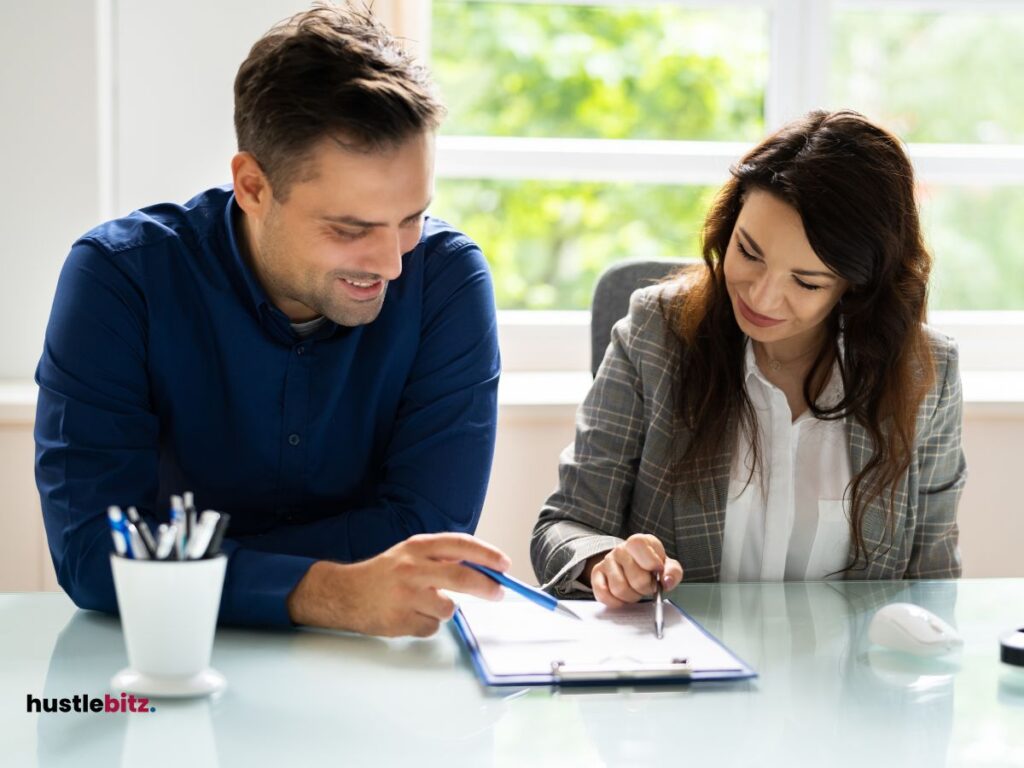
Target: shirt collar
<point>254,290</point>
<point>831,395</point>
<point>266,312</point>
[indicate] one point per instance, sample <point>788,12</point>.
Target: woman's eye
<point>808,286</point>
<point>744,252</point>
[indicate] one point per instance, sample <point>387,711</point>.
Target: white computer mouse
<point>912,629</point>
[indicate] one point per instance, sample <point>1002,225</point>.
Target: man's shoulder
<point>440,237</point>
<point>187,224</point>
<point>448,257</point>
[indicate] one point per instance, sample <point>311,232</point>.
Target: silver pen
<point>659,609</point>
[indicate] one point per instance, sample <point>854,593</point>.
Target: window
<point>581,132</point>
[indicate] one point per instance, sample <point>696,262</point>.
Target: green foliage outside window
<point>589,72</point>
<point>669,72</point>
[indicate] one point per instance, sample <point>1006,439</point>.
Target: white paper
<point>517,637</point>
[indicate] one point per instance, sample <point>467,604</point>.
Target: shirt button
<point>294,439</point>
<point>300,350</point>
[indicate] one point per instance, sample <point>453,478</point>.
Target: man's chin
<point>352,314</point>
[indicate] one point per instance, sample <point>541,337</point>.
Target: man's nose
<point>387,256</point>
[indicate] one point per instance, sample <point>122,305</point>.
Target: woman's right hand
<point>626,574</point>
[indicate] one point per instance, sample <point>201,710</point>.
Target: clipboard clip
<point>677,669</point>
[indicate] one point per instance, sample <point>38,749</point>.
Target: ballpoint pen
<point>139,550</point>
<point>117,530</point>
<point>202,534</point>
<point>144,533</point>
<point>178,516</point>
<point>213,549</point>
<point>534,595</point>
<point>659,608</point>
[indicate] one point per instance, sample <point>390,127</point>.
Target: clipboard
<point>690,654</point>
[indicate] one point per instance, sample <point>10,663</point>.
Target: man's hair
<point>328,72</point>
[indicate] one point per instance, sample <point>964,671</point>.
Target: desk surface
<point>824,695</point>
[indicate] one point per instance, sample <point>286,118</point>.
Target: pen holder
<point>168,616</point>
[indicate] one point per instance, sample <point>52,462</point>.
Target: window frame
<point>799,34</point>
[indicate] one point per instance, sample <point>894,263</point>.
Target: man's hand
<point>398,591</point>
<point>626,574</point>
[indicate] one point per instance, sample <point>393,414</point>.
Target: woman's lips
<point>761,321</point>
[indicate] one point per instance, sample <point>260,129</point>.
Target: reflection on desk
<point>824,697</point>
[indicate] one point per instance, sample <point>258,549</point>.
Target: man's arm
<point>97,442</point>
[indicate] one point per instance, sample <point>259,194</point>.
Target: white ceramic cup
<point>169,617</point>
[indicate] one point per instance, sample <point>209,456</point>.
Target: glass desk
<point>824,696</point>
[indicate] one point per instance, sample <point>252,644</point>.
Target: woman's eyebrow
<point>803,272</point>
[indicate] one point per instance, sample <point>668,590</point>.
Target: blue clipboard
<point>563,674</point>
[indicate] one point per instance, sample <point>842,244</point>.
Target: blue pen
<point>119,530</point>
<point>534,595</point>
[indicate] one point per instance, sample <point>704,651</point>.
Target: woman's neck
<point>797,352</point>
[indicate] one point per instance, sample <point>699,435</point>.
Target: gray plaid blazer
<point>615,481</point>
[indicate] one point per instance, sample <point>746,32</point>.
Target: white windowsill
<point>986,393</point>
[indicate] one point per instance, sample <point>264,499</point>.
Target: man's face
<point>779,288</point>
<point>332,246</point>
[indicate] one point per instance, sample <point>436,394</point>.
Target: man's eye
<point>344,235</point>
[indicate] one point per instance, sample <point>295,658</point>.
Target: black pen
<point>148,542</point>
<point>659,608</point>
<point>218,535</point>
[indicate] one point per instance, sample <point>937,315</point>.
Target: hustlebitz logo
<point>127,704</point>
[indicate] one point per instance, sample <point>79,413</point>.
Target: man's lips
<point>362,290</point>
<point>762,321</point>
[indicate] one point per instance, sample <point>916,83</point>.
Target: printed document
<point>516,637</point>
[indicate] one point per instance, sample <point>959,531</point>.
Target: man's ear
<point>252,187</point>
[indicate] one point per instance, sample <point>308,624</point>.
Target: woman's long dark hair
<point>853,187</point>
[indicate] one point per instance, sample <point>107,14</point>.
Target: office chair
<point>611,297</point>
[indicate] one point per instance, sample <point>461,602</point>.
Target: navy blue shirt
<point>166,368</point>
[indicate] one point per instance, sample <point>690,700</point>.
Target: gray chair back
<point>611,297</point>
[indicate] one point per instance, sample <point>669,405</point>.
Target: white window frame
<point>798,77</point>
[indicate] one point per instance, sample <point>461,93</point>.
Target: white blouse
<point>795,525</point>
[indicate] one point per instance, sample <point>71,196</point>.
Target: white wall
<point>50,190</point>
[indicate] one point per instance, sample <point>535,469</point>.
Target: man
<point>305,350</point>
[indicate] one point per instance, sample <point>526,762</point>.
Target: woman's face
<point>778,286</point>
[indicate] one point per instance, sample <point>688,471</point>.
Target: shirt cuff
<point>257,586</point>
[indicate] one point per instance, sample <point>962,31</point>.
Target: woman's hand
<point>626,574</point>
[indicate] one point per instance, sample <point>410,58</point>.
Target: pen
<point>148,542</point>
<point>534,595</point>
<point>659,608</point>
<point>168,534</point>
<point>139,551</point>
<point>178,516</point>
<point>116,519</point>
<point>218,535</point>
<point>202,534</point>
<point>190,516</point>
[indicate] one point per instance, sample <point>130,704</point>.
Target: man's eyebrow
<point>353,221</point>
<point>804,272</point>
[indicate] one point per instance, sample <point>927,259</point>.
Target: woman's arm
<point>943,471</point>
<point>587,514</point>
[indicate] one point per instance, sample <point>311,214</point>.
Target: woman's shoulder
<point>945,354</point>
<point>653,312</point>
<point>659,301</point>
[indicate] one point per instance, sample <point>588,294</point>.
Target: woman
<point>779,411</point>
